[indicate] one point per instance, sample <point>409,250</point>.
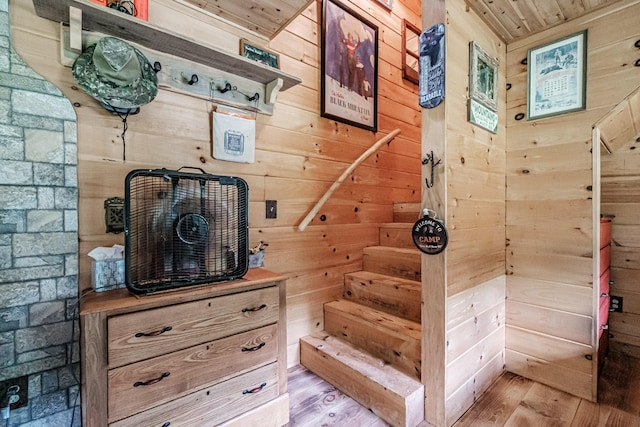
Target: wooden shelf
<point>109,21</point>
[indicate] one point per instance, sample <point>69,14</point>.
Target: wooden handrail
<point>370,151</point>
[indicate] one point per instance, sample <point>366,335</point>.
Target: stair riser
<point>391,263</point>
<point>400,350</point>
<point>391,296</point>
<point>406,212</point>
<point>395,409</point>
<point>396,237</point>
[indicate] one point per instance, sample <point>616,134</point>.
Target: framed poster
<point>483,77</point>
<point>349,67</point>
<point>556,77</point>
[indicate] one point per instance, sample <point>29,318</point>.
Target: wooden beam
<point>434,272</point>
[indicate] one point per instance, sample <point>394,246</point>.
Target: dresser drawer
<point>145,334</point>
<point>214,405</point>
<point>139,386</point>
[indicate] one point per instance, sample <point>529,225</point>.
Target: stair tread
<point>365,364</point>
<point>402,225</point>
<point>411,251</point>
<point>380,319</point>
<point>369,275</point>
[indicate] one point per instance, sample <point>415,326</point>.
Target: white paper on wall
<point>234,137</point>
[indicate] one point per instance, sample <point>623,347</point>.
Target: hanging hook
<point>255,97</point>
<point>194,79</point>
<point>430,158</point>
<point>227,87</point>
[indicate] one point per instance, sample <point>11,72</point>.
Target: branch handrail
<point>355,164</point>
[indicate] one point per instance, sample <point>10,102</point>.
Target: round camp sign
<point>430,235</point>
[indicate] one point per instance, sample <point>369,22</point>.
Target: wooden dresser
<point>202,356</point>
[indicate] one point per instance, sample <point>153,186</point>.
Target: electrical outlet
<point>16,391</point>
<point>615,304</point>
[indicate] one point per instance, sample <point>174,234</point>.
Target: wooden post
<point>434,267</point>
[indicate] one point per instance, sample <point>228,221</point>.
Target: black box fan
<point>184,229</point>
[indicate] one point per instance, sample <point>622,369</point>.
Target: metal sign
<point>432,66</point>
<point>430,235</point>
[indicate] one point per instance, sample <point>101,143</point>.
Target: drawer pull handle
<point>255,390</point>
<point>153,381</point>
<point>244,310</point>
<point>154,333</point>
<point>258,347</point>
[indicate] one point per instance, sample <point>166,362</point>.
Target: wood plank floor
<point>512,401</point>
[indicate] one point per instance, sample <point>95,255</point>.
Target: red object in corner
<point>142,9</point>
<point>102,2</point>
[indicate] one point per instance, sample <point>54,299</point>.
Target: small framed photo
<point>556,77</point>
<point>258,54</point>
<point>386,3</point>
<point>483,77</point>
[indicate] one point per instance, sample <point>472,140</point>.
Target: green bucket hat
<point>116,74</point>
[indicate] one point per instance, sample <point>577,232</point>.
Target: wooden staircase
<point>370,348</point>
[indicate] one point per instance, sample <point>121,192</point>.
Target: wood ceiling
<point>621,127</point>
<point>515,19</point>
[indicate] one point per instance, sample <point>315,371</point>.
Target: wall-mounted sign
<point>483,116</point>
<point>430,235</point>
<point>432,66</point>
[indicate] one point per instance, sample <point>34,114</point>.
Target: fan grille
<point>183,229</point>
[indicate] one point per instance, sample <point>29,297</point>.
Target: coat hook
<point>227,87</point>
<point>194,79</point>
<point>430,158</point>
<point>157,67</point>
<point>255,97</point>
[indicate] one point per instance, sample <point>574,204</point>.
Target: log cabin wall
<point>551,303</point>
<point>298,153</point>
<point>620,185</point>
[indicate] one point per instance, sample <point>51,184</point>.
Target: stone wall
<point>38,241</point>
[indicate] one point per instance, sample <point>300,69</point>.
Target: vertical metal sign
<point>432,58</point>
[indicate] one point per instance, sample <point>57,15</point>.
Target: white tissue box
<point>256,260</point>
<point>107,274</point>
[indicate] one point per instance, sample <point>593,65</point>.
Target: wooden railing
<point>355,164</point>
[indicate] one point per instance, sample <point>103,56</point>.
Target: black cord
<point>125,126</point>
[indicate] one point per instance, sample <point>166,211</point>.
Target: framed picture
<point>411,52</point>
<point>556,77</point>
<point>349,67</point>
<point>260,55</point>
<point>483,77</point>
<point>387,3</point>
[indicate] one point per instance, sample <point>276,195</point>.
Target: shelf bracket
<point>75,28</point>
<point>272,89</point>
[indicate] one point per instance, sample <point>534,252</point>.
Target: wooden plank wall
<point>298,153</point>
<point>476,162</point>
<point>550,295</point>
<point>621,197</point>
